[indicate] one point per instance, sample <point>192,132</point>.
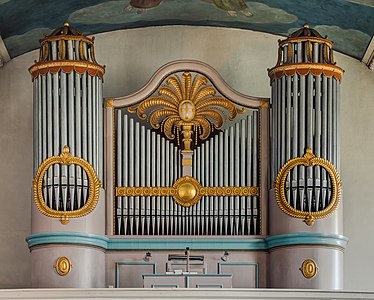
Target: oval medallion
<point>187,110</point>
<point>309,268</point>
<point>63,266</point>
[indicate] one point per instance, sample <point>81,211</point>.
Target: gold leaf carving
<point>65,158</point>
<point>186,105</point>
<point>308,160</point>
<point>187,191</point>
<point>63,266</point>
<point>309,268</point>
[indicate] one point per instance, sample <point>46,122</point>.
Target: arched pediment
<point>177,68</point>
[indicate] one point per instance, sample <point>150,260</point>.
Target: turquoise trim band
<point>68,238</point>
<point>307,238</point>
<point>182,243</point>
<point>114,243</point>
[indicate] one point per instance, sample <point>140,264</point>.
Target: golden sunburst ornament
<point>187,106</point>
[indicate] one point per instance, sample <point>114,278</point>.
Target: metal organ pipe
<point>35,125</point>
<point>248,223</point>
<point>131,176</point>
<point>100,129</point>
<point>243,174</point>
<point>221,199</point>
<point>89,119</point>
<point>337,105</point>
<point>255,199</point>
<point>148,183</point>
<point>151,160</point>
<point>143,175</point>
<point>120,171</point>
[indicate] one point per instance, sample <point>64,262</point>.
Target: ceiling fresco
<point>350,24</point>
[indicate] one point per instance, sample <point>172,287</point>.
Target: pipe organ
<point>305,153</point>
<point>186,163</point>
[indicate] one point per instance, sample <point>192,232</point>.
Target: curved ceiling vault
<point>349,23</point>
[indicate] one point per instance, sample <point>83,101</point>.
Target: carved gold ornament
<point>68,67</point>
<point>108,103</point>
<point>187,191</point>
<point>188,106</point>
<point>65,158</point>
<point>63,266</point>
<point>302,69</point>
<point>309,268</point>
<point>308,160</point>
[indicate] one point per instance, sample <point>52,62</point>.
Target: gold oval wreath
<point>65,158</point>
<point>308,160</point>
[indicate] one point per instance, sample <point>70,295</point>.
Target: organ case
<point>216,150</point>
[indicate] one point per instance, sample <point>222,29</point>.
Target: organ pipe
<point>229,158</point>
<point>305,114</point>
<point>67,112</point>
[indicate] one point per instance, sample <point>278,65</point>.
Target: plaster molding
<point>168,293</point>
<point>4,55</point>
<point>149,243</point>
<point>307,238</point>
<point>191,66</point>
<point>368,58</point>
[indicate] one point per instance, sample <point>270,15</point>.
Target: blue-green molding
<point>182,243</point>
<point>214,243</point>
<point>307,238</point>
<point>68,237</point>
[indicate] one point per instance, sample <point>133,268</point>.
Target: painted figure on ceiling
<point>232,7</point>
<point>142,5</point>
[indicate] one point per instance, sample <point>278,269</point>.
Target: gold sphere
<point>66,24</point>
<point>187,191</point>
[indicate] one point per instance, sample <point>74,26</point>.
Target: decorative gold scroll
<point>186,105</point>
<point>308,160</point>
<point>187,191</point>
<point>65,158</point>
<point>309,268</point>
<point>67,66</point>
<point>316,69</point>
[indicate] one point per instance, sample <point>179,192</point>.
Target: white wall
<point>131,57</point>
<point>15,171</point>
<point>357,163</point>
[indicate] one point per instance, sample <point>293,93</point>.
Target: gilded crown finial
<point>306,25</point>
<point>66,24</point>
<point>66,149</point>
